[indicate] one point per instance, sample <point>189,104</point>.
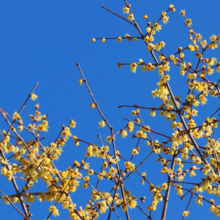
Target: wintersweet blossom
<point>34,97</point>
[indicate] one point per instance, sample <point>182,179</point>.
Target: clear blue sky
<point>41,41</point>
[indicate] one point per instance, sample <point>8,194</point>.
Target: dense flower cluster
<point>179,155</point>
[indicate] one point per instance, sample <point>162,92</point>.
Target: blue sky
<point>41,41</point>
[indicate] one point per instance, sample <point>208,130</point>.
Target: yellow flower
<point>192,173</point>
<point>211,61</point>
<point>109,139</point>
<point>29,198</point>
<point>76,143</point>
<point>134,151</point>
<point>148,29</point>
<point>54,210</point>
<point>133,113</point>
<point>164,17</point>
<point>66,132</point>
<point>72,123</point>
<point>188,22</point>
<point>210,70</point>
<point>180,178</point>
<point>199,200</point>
<point>20,128</point>
<point>90,172</point>
<point>139,133</point>
<point>92,105</point>
<point>33,96</point>
<point>103,40</point>
<point>76,138</point>
<point>150,47</point>
<point>131,17</point>
<point>133,67</point>
<point>130,126</point>
<point>124,208</point>
<point>162,43</point>
<point>119,39</point>
<point>204,43</point>
<point>93,39</point>
<point>202,99</point>
<point>182,12</point>
<point>164,186</point>
<point>86,165</point>
<point>85,185</point>
<point>86,178</point>
<point>213,38</point>
<point>129,165</point>
<point>76,163</point>
<point>152,113</point>
<point>16,116</point>
<point>132,204</point>
<point>143,174</point>
<point>218,69</point>
<point>80,82</point>
<point>112,170</point>
<point>123,133</point>
<point>185,213</point>
<point>125,10</point>
<point>102,124</point>
<point>156,26</point>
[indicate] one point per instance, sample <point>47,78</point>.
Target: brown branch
<point>117,15</point>
<point>188,204</point>
<point>5,196</point>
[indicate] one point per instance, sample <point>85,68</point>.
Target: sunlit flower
<point>33,96</point>
<point>102,124</point>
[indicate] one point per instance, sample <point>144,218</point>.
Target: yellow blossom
<point>143,174</point>
<point>72,123</point>
<point>130,126</point>
<point>152,113</point>
<point>90,172</point>
<point>133,67</point>
<point>188,22</point>
<point>164,186</point>
<point>156,26</point>
<point>204,43</point>
<point>199,200</point>
<point>92,105</point>
<point>102,124</point>
<point>134,151</point>
<point>54,210</point>
<point>131,17</point>
<point>123,133</point>
<point>202,99</point>
<point>20,128</point>
<point>126,10</point>
<point>185,213</point>
<point>81,82</point>
<point>119,39</point>
<point>33,96</point>
<point>16,116</point>
<point>213,38</point>
<point>182,12</point>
